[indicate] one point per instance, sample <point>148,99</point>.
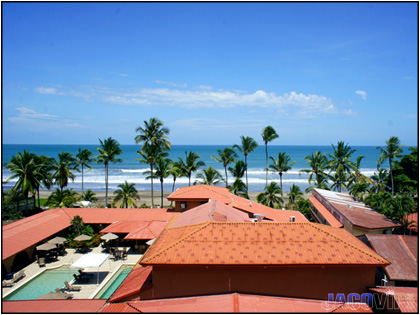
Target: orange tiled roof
<point>210,211</point>
<point>354,211</point>
<point>406,297</point>
<point>118,308</point>
<point>147,232</point>
<point>27,232</point>
<point>207,192</point>
<point>325,213</point>
<point>264,243</point>
<point>52,306</point>
<point>136,281</point>
<point>353,308</point>
<point>404,264</point>
<point>240,303</point>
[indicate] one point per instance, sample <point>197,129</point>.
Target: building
<point>186,198</point>
<point>342,210</point>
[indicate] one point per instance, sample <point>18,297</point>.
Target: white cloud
<point>362,94</point>
<point>205,123</point>
<point>46,90</point>
<point>31,114</point>
<point>171,83</point>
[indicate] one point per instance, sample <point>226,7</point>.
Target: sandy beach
<point>145,197</point>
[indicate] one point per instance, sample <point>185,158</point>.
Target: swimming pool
<point>43,283</point>
<point>114,282</point>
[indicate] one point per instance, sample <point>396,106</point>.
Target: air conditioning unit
<point>292,219</point>
<point>183,205</point>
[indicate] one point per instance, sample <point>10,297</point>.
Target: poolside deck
<point>88,290</point>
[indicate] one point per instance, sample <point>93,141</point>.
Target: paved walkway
<point>88,290</point>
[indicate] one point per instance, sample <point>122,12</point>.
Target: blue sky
<point>317,72</point>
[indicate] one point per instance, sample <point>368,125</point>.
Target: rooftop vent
<point>250,204</point>
<point>292,219</point>
<point>349,205</point>
<point>258,217</point>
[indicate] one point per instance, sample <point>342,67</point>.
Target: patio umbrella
<point>46,246</point>
<point>109,236</point>
<point>82,237</point>
<point>53,296</point>
<point>57,240</point>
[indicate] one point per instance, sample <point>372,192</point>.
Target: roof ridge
<point>175,243</point>
<point>406,247</point>
<point>348,243</point>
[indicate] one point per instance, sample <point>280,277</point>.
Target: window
<point>183,205</point>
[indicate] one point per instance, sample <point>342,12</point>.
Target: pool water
<point>114,283</point>
<point>45,282</point>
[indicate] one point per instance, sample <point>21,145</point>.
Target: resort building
<point>186,198</point>
<point>342,210</point>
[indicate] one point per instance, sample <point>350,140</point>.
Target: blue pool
<point>114,282</point>
<point>45,282</point>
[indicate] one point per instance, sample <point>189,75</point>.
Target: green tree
<point>340,162</point>
<point>281,165</point>
<point>163,170</point>
<point>358,190</point>
<point>63,168</point>
<point>379,180</point>
<point>89,195</point>
<point>238,170</point>
<point>62,198</point>
<point>226,157</point>
<point>271,197</point>
<point>268,134</point>
<point>338,180</point>
<point>248,146</point>
<point>83,158</point>
<point>391,152</point>
<point>304,206</point>
<point>209,176</point>
<point>45,168</point>
<point>295,194</point>
<point>126,195</point>
<point>23,167</point>
<point>356,176</point>
<point>154,137</point>
<point>176,172</point>
<point>190,165</point>
<point>406,173</point>
<point>108,152</point>
<point>318,165</point>
<point>239,188</point>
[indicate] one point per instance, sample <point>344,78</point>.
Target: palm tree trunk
<point>82,179</point>
<point>106,186</point>
<point>392,179</point>
<point>39,201</point>
<point>151,177</point>
<point>226,176</point>
<point>266,165</point>
<point>189,180</point>
<point>246,174</point>
<point>161,193</point>
<point>173,187</point>
<point>281,185</point>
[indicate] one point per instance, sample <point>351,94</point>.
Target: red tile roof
<point>353,308</point>
<point>137,280</point>
<point>240,303</point>
<point>264,243</point>
<point>404,264</point>
<point>357,213</point>
<point>118,308</point>
<point>210,211</point>
<point>52,306</point>
<point>206,192</point>
<point>148,232</point>
<point>328,216</point>
<point>19,235</point>
<point>413,217</point>
<point>406,297</point>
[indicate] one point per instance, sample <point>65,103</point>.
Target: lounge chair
<point>17,276</point>
<point>72,287</point>
<point>41,262</point>
<point>7,283</point>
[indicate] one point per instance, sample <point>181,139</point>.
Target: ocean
<point>132,170</point>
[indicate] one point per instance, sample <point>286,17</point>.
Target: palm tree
<point>227,156</point>
<point>270,197</point>
<point>163,170</point>
<point>63,169</point>
<point>356,176</point>
<point>295,195</point>
<point>84,157</point>
<point>209,176</point>
<point>176,172</point>
<point>238,188</point>
<point>238,170</point>
<point>155,141</point>
<point>340,161</point>
<point>358,190</point>
<point>23,167</point>
<point>379,181</point>
<point>268,134</point>
<point>108,152</point>
<point>248,145</point>
<point>281,165</point>
<point>89,195</point>
<point>318,164</point>
<point>44,167</point>
<point>338,180</point>
<point>391,152</point>
<point>62,198</point>
<point>126,195</point>
<point>190,165</point>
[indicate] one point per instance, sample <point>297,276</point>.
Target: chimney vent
<point>292,219</point>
